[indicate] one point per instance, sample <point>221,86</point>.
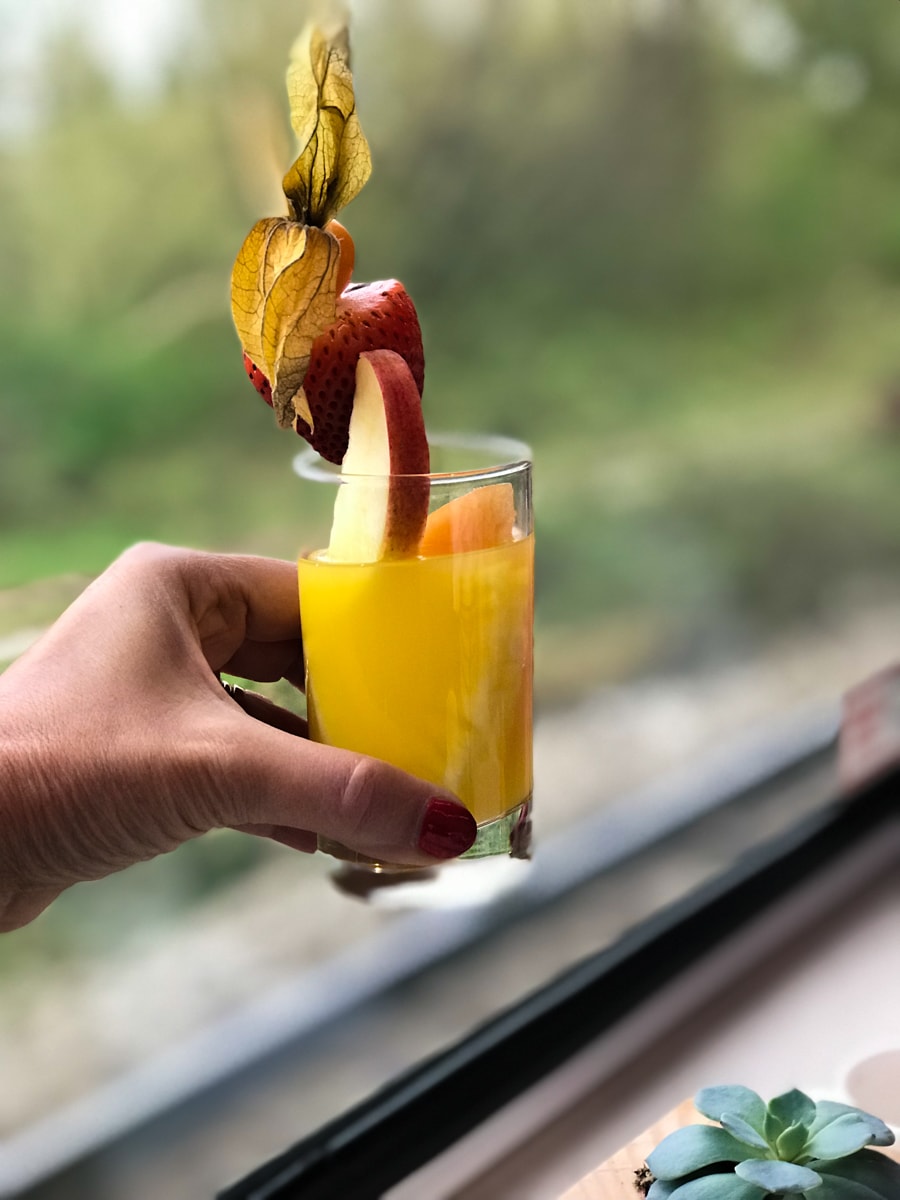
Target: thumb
<point>279,779</point>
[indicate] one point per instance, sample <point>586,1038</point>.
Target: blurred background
<point>657,239</point>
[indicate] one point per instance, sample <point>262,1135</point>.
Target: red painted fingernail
<point>447,828</point>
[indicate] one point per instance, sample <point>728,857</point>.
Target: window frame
<point>378,1143</point>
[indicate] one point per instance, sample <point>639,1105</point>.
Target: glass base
<point>509,835</point>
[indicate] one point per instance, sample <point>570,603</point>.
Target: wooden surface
<point>616,1180</point>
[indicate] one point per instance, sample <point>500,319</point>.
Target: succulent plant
<point>790,1147</point>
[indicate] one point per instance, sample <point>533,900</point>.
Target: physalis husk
<point>283,285</point>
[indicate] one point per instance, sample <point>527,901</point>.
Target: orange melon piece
<point>477,520</point>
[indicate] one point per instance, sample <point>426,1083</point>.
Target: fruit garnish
<point>477,520</point>
<point>301,323</point>
<point>259,381</point>
<point>348,253</point>
<point>382,502</point>
<point>369,316</point>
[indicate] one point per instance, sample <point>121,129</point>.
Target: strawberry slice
<point>258,379</point>
<point>370,316</point>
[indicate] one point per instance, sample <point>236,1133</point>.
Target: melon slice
<point>477,520</point>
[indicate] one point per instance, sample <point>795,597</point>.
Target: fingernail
<point>447,828</point>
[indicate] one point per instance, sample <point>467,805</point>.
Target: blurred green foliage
<point>660,242</point>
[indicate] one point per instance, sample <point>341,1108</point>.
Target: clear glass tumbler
<point>427,662</point>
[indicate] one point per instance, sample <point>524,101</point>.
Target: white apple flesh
<point>382,500</point>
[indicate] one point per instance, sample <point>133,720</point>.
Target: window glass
<point>659,242</point>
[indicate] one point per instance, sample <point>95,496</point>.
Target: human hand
<point>118,742</point>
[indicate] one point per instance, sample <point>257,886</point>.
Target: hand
<point>118,741</point>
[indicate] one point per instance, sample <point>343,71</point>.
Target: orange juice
<point>427,662</point>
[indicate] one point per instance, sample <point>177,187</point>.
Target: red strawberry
<point>258,380</point>
<point>370,316</point>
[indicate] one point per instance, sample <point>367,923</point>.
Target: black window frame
<point>403,1126</point>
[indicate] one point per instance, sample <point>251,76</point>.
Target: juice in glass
<point>426,661</point>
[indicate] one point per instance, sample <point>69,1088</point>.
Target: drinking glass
<point>427,661</point>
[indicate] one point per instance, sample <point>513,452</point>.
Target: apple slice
<point>382,500</point>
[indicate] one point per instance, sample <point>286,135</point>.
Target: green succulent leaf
<point>793,1108</point>
<point>792,1147</point>
<point>661,1189</point>
<point>792,1143</point>
<point>845,1135</point>
<point>781,1178</point>
<point>744,1131</point>
<point>735,1099</point>
<point>774,1128</point>
<point>695,1146</point>
<point>717,1187</point>
<point>829,1110</point>
<point>867,1168</point>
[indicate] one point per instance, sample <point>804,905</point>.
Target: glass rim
<point>513,455</point>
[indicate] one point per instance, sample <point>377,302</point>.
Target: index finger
<point>268,662</point>
<point>239,602</point>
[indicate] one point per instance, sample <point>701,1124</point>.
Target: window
<point>657,242</point>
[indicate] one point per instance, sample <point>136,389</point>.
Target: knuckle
<point>148,553</point>
<point>148,560</point>
<point>359,801</point>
